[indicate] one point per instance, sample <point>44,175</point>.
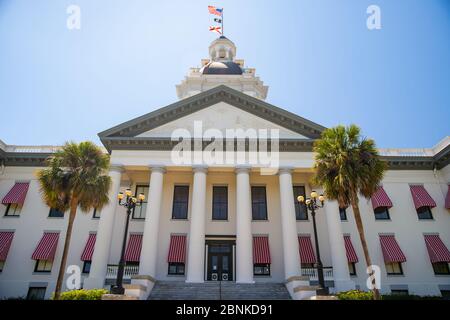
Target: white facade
<point>140,157</point>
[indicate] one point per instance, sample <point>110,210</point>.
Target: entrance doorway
<point>220,260</point>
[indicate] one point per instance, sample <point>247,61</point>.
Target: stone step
<point>178,290</point>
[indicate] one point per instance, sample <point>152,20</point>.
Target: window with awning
<point>17,194</point>
<point>391,250</point>
<point>352,257</point>
<point>421,197</point>
<point>15,199</point>
<point>46,247</point>
<point>88,251</point>
<point>261,256</point>
<point>6,238</point>
<point>176,257</point>
<point>307,255</point>
<point>177,249</point>
<point>133,250</point>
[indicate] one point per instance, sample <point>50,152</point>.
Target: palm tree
<point>348,165</point>
<point>76,176</point>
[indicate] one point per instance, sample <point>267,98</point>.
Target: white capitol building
<point>226,222</point>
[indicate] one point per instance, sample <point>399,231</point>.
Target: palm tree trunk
<point>62,267</point>
<point>362,237</point>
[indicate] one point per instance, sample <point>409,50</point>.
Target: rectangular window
<point>87,266</point>
<point>259,203</point>
<point>13,210</point>
<point>43,266</point>
<point>176,268</point>
<point>220,203</point>
<point>96,214</point>
<point>139,211</point>
<point>400,292</point>
<point>394,268</point>
<point>2,265</point>
<point>307,265</point>
<point>424,213</point>
<point>300,210</point>
<point>382,213</point>
<point>261,269</point>
<point>55,213</point>
<point>441,268</point>
<point>352,268</point>
<point>180,202</point>
<point>343,214</point>
<point>36,293</point>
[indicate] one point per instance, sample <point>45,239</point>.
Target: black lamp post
<point>130,203</point>
<point>312,204</point>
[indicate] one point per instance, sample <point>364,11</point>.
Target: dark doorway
<point>220,260</point>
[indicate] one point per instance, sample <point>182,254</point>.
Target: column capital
<point>285,170</point>
<point>157,168</point>
<point>242,169</point>
<point>200,168</point>
<point>116,168</point>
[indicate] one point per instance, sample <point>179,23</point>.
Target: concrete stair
<point>177,290</point>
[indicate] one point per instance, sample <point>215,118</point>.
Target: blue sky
<point>318,57</point>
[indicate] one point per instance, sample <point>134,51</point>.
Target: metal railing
<point>130,270</point>
<point>312,273</point>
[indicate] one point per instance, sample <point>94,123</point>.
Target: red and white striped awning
<point>352,257</point>
<point>46,248</point>
<point>305,247</point>
<point>133,251</point>
<point>261,252</point>
<point>177,249</point>
<point>391,249</point>
<point>381,199</point>
<point>17,193</point>
<point>89,248</point>
<point>6,238</point>
<point>437,250</point>
<point>447,199</point>
<point>421,197</point>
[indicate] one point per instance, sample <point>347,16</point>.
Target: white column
<point>342,281</point>
<point>244,238</point>
<point>102,248</point>
<point>149,252</point>
<point>292,266</point>
<point>196,249</point>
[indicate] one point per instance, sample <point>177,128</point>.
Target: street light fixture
<point>129,202</point>
<point>312,204</point>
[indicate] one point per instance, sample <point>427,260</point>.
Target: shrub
<point>355,295</point>
<point>93,294</point>
<point>368,295</point>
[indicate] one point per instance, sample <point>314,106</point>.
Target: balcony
<point>312,273</point>
<point>130,270</point>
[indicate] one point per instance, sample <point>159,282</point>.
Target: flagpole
<point>223,34</point>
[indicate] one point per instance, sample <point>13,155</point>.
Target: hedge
<point>93,294</point>
<point>368,295</point>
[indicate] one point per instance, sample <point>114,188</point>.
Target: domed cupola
<point>222,68</point>
<point>222,52</point>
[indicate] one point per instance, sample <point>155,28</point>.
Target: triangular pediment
<point>221,116</point>
<point>220,107</point>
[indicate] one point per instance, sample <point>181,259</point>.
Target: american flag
<point>214,10</point>
<point>216,29</point>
